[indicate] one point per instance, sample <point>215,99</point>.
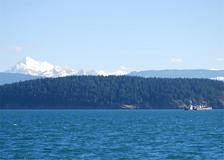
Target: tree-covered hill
<point>111,92</point>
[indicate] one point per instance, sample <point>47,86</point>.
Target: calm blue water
<point>111,134</point>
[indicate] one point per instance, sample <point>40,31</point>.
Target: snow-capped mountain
<point>218,78</point>
<point>121,71</point>
<point>34,67</point>
<point>30,68</point>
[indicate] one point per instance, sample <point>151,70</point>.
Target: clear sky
<point>106,34</point>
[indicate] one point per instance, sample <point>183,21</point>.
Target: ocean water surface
<point>112,134</point>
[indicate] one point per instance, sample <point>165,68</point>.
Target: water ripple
<point>111,134</point>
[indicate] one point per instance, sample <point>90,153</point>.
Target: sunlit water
<point>112,134</point>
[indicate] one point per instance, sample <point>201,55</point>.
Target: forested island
<point>111,92</point>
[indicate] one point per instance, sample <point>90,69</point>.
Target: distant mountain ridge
<point>188,73</point>
<point>7,78</point>
<point>30,66</point>
<point>29,69</point>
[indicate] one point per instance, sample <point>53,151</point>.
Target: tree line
<point>111,92</point>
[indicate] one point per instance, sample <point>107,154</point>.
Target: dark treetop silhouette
<point>111,92</point>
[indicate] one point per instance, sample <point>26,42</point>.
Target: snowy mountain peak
<point>40,68</point>
<point>34,67</point>
<point>121,71</point>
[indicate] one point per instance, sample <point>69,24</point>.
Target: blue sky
<point>103,34</point>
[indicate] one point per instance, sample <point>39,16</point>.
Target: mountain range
<point>188,73</point>
<point>7,78</point>
<point>29,69</point>
<point>34,67</point>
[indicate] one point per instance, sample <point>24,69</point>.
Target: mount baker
<point>30,66</point>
